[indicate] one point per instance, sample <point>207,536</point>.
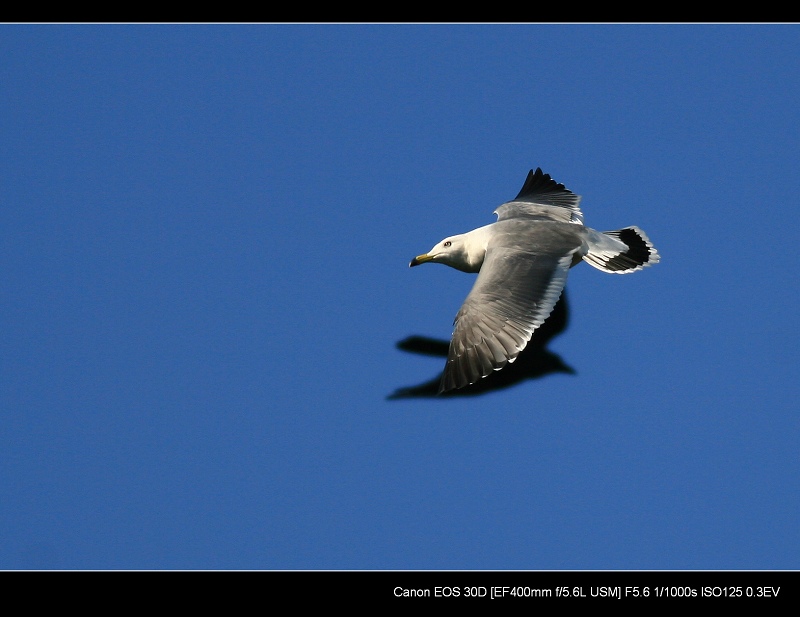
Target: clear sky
<point>206,232</point>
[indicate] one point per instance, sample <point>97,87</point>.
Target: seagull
<point>522,261</point>
<point>533,362</point>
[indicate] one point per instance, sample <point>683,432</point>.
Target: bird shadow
<point>533,362</point>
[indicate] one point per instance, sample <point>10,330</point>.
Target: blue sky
<point>206,232</point>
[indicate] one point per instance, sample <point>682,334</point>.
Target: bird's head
<point>452,251</point>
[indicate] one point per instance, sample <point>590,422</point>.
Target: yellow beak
<point>420,259</point>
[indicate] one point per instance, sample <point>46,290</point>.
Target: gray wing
<point>542,198</point>
<point>514,293</point>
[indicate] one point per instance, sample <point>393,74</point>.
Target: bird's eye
<point>448,243</point>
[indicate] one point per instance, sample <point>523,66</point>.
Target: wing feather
<point>542,198</point>
<point>513,295</point>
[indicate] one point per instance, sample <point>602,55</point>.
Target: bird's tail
<point>621,251</point>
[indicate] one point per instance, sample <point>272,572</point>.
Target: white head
<point>463,252</point>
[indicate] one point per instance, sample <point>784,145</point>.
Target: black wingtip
<point>538,183</point>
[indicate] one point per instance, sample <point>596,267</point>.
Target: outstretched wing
<point>513,295</point>
<point>542,198</point>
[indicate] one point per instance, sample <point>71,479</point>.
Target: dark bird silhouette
<point>533,362</point>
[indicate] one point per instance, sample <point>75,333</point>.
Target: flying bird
<point>522,261</point>
<point>533,362</point>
